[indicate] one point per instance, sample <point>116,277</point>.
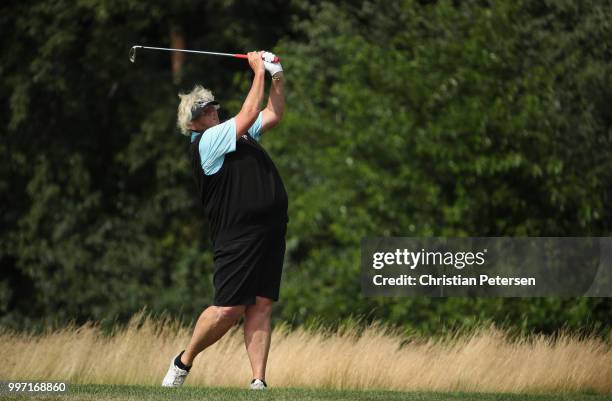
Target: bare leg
<point>212,324</point>
<point>257,333</point>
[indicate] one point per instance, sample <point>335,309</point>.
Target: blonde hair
<point>198,94</point>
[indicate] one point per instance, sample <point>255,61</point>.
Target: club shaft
<point>193,51</point>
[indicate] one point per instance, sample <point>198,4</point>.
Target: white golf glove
<point>272,68</point>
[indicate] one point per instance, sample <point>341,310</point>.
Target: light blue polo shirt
<point>221,139</point>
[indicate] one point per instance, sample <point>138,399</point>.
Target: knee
<point>263,306</point>
<point>229,313</point>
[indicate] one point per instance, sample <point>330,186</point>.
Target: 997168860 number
<point>31,387</point>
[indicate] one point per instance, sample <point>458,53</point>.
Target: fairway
<point>114,392</point>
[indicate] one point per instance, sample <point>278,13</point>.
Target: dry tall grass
<point>374,358</point>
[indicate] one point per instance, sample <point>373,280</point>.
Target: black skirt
<point>248,265</point>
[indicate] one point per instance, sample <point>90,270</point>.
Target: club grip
<point>276,59</point>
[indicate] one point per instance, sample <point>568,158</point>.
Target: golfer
<point>246,204</point>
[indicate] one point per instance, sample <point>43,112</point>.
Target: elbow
<point>275,119</point>
<point>275,116</point>
<point>271,116</point>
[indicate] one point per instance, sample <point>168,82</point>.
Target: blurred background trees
<point>404,118</point>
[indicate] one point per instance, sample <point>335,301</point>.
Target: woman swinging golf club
<point>246,205</point>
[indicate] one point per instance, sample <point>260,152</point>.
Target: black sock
<point>179,364</point>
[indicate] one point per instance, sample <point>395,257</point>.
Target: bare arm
<point>275,108</point>
<point>250,108</point>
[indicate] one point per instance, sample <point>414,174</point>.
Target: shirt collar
<point>194,135</point>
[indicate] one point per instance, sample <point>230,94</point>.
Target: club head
<point>133,53</point>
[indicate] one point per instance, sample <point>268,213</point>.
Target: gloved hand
<point>271,67</point>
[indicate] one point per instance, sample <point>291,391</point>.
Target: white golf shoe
<point>175,377</point>
<point>258,384</point>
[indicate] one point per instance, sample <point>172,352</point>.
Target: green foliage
<point>101,217</point>
<point>404,118</point>
<point>443,120</point>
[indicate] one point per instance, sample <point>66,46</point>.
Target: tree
<point>443,119</point>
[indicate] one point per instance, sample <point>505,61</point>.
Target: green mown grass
<point>116,393</point>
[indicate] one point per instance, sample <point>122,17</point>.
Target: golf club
<point>133,52</point>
